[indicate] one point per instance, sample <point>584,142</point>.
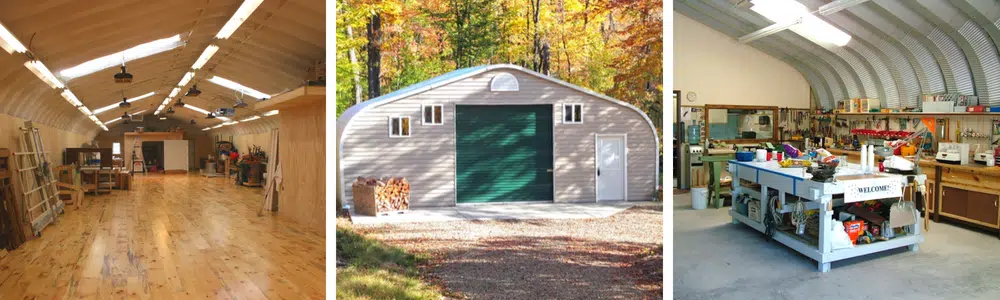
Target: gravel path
<point>536,259</point>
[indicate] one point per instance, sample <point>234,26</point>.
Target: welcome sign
<point>872,188</point>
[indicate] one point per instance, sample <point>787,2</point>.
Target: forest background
<point>614,47</point>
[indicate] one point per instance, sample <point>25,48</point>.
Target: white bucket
<point>699,198</point>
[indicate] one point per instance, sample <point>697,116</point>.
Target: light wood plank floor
<point>170,237</point>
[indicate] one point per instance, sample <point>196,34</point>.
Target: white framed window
<point>433,114</point>
<point>572,113</point>
<point>116,148</point>
<point>399,126</point>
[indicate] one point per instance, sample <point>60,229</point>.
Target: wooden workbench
<point>968,193</point>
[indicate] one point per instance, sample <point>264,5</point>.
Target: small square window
<point>399,126</point>
<point>433,114</point>
<point>572,113</point>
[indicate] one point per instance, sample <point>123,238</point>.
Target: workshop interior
<point>846,131</point>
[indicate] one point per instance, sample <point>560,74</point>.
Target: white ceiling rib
<point>899,50</point>
<point>287,37</point>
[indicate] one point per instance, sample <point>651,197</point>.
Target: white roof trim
<point>344,121</point>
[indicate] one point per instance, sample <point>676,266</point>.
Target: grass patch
<point>368,269</point>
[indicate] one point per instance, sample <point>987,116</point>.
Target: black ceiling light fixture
<point>124,103</point>
<point>210,115</point>
<point>193,122</point>
<point>125,117</point>
<point>124,76</point>
<point>179,103</point>
<point>193,91</point>
<point>170,110</point>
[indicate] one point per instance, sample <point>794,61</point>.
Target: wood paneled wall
<point>56,141</point>
<point>302,154</point>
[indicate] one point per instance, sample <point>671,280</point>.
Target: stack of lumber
<point>374,197</point>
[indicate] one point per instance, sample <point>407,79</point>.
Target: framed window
<point>399,126</point>
<point>433,114</point>
<point>116,148</point>
<point>572,113</point>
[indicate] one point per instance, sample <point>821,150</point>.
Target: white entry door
<point>611,162</point>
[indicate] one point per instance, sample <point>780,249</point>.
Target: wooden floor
<point>170,237</point>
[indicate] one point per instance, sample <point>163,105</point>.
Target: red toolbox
<point>976,108</point>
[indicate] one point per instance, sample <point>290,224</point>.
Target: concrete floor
<point>503,211</point>
<point>714,259</point>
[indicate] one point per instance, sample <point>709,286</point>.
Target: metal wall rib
<point>955,58</point>
<point>983,47</point>
<point>867,87</point>
<point>926,61</point>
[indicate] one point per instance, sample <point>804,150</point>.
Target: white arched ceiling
<point>270,52</point>
<point>899,50</point>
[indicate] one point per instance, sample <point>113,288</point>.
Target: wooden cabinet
<point>972,205</point>
<point>982,207</point>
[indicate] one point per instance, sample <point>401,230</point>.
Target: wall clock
<point>691,96</point>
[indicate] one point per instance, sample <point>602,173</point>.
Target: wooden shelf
<point>301,96</point>
<point>919,114</point>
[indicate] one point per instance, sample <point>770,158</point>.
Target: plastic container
<point>744,156</point>
<point>699,198</point>
<point>694,134</point>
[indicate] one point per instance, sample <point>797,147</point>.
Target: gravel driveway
<point>536,259</point>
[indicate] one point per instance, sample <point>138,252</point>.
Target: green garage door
<point>504,153</point>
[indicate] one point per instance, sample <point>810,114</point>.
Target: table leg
<point>824,267</point>
<point>715,172</point>
<point>937,196</point>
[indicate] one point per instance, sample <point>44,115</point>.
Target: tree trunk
<point>545,59</point>
<point>537,45</point>
<point>374,56</point>
<point>354,62</point>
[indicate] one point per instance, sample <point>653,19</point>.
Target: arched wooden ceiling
<point>270,52</point>
<point>899,49</point>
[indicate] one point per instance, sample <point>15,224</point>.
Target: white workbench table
<point>820,195</point>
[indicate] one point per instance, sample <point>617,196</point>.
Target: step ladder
<point>137,157</point>
<point>37,182</point>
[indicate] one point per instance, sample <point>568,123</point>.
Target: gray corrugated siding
<point>883,73</point>
<point>935,79</point>
<point>955,58</point>
<point>427,157</point>
<point>868,89</point>
<point>983,47</point>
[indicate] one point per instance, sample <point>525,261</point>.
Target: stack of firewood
<point>378,196</point>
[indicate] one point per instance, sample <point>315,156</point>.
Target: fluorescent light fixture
<point>159,109</point>
<point>187,77</point>
<point>71,98</point>
<point>217,126</point>
<point>241,15</point>
<point>227,123</point>
<point>43,73</point>
<point>94,118</point>
<point>811,27</point>
<point>223,118</point>
<point>104,127</point>
<point>766,31</point>
<point>133,99</point>
<point>117,59</point>
<point>165,101</point>
<point>9,42</point>
<point>173,93</point>
<point>120,118</point>
<point>195,108</point>
<point>271,113</point>
<point>238,87</point>
<point>205,56</point>
<point>163,118</point>
<point>835,6</point>
<point>250,119</point>
<point>84,110</point>
<point>206,129</point>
